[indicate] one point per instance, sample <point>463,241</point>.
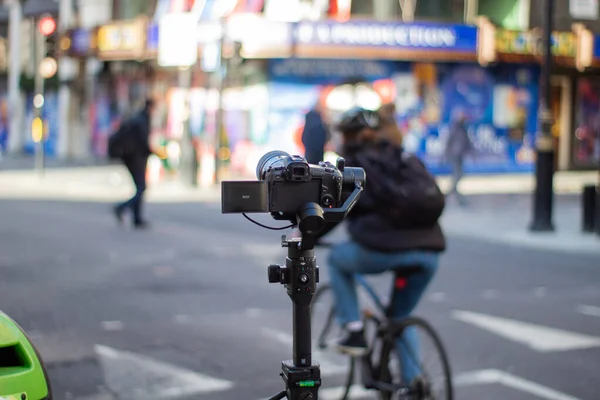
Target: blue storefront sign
<point>80,42</point>
<point>596,49</point>
<point>388,35</point>
<point>328,71</point>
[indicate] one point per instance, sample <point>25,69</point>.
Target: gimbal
<point>300,275</point>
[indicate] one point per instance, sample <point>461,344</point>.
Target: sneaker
<point>352,343</point>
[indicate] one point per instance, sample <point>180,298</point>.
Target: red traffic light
<point>47,26</point>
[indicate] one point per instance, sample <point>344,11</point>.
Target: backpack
<point>120,143</point>
<point>409,196</point>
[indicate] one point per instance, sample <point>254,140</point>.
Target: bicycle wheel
<point>324,331</point>
<point>400,363</point>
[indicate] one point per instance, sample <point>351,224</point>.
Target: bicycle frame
<point>367,369</point>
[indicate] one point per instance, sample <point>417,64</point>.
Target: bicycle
<point>375,373</point>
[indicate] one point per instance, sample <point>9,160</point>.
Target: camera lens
<point>268,160</point>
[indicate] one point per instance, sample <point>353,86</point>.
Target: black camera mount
<point>300,275</point>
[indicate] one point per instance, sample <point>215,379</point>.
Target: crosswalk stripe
<point>491,376</point>
<point>135,376</point>
<point>537,337</point>
<point>592,311</point>
<point>465,379</point>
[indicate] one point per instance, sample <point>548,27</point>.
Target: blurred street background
<point>184,309</point>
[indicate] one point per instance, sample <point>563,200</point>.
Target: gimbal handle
<point>338,214</point>
<point>328,214</point>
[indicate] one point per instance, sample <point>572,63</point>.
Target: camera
<point>287,183</point>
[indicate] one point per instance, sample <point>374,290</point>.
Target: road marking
<point>356,392</point>
<point>491,376</point>
<point>135,376</point>
<point>331,363</point>
<point>465,379</point>
<point>112,325</point>
<point>437,297</point>
<point>537,337</point>
<point>588,310</point>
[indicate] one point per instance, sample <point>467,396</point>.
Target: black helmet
<point>356,119</point>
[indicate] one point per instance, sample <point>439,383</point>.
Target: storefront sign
<point>322,71</point>
<point>530,43</point>
<point>460,38</point>
<point>596,50</point>
<point>122,40</point>
<point>177,45</point>
<point>583,9</point>
<point>80,41</point>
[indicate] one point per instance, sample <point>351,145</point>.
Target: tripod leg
<point>279,396</point>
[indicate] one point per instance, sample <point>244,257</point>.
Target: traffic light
<point>47,27</point>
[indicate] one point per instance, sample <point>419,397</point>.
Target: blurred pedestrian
<point>315,134</point>
<point>130,144</point>
<point>458,146</point>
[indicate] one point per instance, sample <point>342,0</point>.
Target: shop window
<point>362,8</point>
<point>507,14</point>
<point>586,141</point>
<point>440,10</point>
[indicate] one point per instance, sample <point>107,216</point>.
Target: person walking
<point>315,135</point>
<point>130,144</point>
<point>458,146</point>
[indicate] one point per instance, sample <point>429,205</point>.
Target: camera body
<point>292,182</point>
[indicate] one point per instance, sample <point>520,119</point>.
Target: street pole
<point>15,132</point>
<point>221,77</point>
<point>544,172</point>
<point>38,98</point>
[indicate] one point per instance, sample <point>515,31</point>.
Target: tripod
<point>300,275</point>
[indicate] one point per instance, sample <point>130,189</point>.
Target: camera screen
<point>244,197</point>
<point>288,196</point>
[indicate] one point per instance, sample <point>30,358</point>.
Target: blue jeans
<point>349,258</point>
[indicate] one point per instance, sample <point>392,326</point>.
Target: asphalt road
<point>184,310</point>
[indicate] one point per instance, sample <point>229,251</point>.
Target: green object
<point>22,373</point>
<point>306,383</point>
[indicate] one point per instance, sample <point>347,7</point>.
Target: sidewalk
<point>27,163</point>
<point>108,182</point>
<point>506,218</point>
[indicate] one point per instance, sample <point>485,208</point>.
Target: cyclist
<point>376,243</point>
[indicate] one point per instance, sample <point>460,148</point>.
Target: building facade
<point>427,57</point>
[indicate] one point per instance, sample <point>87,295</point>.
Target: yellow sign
<point>37,129</point>
<point>121,39</point>
<point>530,43</point>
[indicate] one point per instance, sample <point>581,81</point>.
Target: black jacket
<point>140,125</point>
<point>366,225</point>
